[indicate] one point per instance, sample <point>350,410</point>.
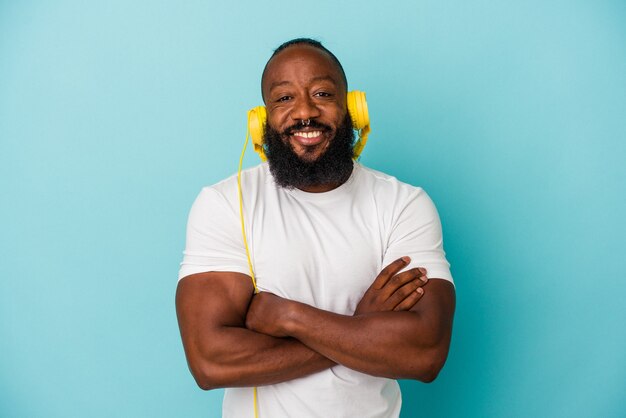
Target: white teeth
<point>308,134</point>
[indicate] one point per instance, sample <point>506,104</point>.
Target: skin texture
<point>401,327</point>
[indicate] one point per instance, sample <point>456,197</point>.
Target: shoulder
<point>227,189</point>
<point>249,176</point>
<point>387,187</point>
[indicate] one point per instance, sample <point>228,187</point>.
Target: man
<point>355,290</point>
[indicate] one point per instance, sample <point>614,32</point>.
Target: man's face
<point>303,83</point>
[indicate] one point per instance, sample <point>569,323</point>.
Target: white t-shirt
<point>323,249</point>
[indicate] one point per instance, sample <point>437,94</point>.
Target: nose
<point>304,108</point>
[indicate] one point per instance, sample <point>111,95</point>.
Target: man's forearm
<point>238,357</point>
<point>409,344</point>
<point>383,344</point>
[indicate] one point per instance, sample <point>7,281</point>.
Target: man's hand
<point>266,314</point>
<point>392,291</point>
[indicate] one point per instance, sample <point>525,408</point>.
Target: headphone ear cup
<point>357,107</point>
<point>257,118</point>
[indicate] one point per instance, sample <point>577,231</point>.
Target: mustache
<point>312,125</point>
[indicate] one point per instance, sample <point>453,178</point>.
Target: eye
<point>283,98</point>
<point>323,94</point>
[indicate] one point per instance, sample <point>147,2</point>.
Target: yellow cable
<point>256,404</point>
<point>243,227</point>
<point>245,243</point>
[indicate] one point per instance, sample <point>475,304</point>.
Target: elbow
<point>208,376</point>
<point>430,366</point>
<point>205,383</point>
<point>212,368</point>
<point>429,375</point>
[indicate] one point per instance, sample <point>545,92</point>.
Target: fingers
<point>401,279</point>
<point>406,291</point>
<point>389,272</point>
<point>410,300</point>
<point>392,290</point>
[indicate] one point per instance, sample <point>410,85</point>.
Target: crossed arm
<point>235,338</point>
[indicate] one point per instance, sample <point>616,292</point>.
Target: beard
<point>334,166</point>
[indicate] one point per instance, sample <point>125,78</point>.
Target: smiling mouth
<point>308,138</point>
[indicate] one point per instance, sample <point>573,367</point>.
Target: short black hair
<point>311,42</point>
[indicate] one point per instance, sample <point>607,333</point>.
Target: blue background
<point>510,114</point>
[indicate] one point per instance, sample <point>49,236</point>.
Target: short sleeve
<point>416,232</point>
<point>214,241</point>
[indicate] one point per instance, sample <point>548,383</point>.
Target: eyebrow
<point>313,80</point>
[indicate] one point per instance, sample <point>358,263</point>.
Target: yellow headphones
<point>357,107</point>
